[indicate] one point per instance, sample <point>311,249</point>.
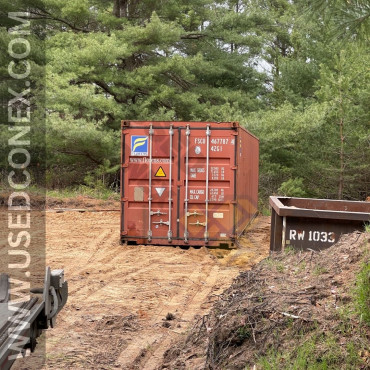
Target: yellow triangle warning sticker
<point>160,172</point>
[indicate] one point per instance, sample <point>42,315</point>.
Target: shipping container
<point>305,223</point>
<point>187,183</point>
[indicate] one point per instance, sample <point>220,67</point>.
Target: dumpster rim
<point>283,210</point>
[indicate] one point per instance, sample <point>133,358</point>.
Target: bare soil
<point>128,304</point>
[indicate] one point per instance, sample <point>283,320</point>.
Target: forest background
<point>295,73</point>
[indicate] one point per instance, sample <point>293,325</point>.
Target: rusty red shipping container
<point>187,183</point>
<point>316,224</point>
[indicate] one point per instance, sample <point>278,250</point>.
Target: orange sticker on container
<point>160,172</point>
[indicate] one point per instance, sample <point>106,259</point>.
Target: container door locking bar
<point>186,233</point>
<point>151,132</point>
<point>208,133</point>
<point>169,234</point>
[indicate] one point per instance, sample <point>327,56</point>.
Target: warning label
<point>160,191</point>
<point>160,172</point>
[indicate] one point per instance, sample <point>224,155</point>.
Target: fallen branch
<point>289,315</point>
<point>294,316</point>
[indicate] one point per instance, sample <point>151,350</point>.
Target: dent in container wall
<point>187,183</point>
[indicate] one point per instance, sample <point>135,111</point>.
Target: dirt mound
<point>41,202</point>
<point>291,303</point>
<point>37,201</point>
<point>82,202</point>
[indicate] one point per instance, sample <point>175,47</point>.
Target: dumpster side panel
<point>315,224</point>
<point>317,234</point>
<point>276,231</point>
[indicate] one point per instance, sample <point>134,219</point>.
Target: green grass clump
<point>319,270</point>
<point>87,191</point>
<point>362,293</point>
<point>319,352</point>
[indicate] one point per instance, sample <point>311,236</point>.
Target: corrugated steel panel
<point>314,223</point>
<point>187,183</point>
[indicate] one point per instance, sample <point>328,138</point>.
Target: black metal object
<point>22,323</point>
<point>314,223</point>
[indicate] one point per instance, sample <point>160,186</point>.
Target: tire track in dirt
<point>137,354</point>
<point>187,315</point>
<point>143,259</point>
<point>81,285</point>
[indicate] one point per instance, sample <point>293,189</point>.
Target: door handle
<point>195,213</point>
<point>198,223</point>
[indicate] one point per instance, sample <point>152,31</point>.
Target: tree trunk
<point>341,160</point>
<point>341,152</point>
<point>120,8</point>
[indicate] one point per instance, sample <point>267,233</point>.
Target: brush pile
<point>286,301</point>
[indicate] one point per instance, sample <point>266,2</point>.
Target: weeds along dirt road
<point>127,304</point>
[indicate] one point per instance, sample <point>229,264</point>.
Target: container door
<point>149,183</point>
<point>208,179</point>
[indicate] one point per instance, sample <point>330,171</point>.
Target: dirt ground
<point>127,304</point>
